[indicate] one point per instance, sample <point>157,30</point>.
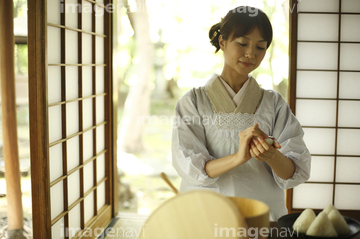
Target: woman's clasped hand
<point>252,144</point>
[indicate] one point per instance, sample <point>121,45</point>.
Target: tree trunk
<point>137,104</point>
<point>8,105</point>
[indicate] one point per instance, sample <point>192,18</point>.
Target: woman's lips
<point>246,64</point>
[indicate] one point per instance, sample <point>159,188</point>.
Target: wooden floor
<point>125,226</point>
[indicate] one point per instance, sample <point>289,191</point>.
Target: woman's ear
<point>222,42</point>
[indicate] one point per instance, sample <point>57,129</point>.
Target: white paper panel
<point>348,142</point>
<point>74,221</point>
<point>347,169</point>
<point>57,199</point>
<point>71,13</point>
<point>100,138</point>
<point>73,187</point>
<point>100,111</point>
<point>71,47</point>
<point>88,145</point>
<point>72,117</point>
<point>99,13</point>
<point>89,207</point>
<point>57,230</point>
<point>73,158</point>
<point>349,85</point>
<point>316,112</point>
<point>56,163</point>
<point>319,27</point>
<point>100,167</point>
<point>320,141</point>
<point>320,56</point>
<point>99,18</point>
<point>312,195</point>
<point>87,10</point>
<point>54,84</point>
<point>87,81</point>
<point>88,176</point>
<point>100,83</point>
<point>87,113</point>
<point>100,196</point>
<point>347,197</point>
<point>318,5</point>
<point>86,48</point>
<point>54,123</point>
<point>310,84</point>
<point>53,45</point>
<point>349,56</point>
<point>99,50</point>
<point>53,12</point>
<point>350,6</point>
<point>349,114</point>
<point>322,169</point>
<point>72,82</point>
<point>350,30</point>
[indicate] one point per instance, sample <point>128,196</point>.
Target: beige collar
<point>223,103</point>
<point>236,97</point>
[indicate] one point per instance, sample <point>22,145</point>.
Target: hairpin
<point>216,32</point>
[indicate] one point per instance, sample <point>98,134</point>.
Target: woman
<point>219,139</point>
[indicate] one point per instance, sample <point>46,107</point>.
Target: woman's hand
<point>261,150</point>
<point>217,167</point>
<point>245,138</point>
<point>248,148</point>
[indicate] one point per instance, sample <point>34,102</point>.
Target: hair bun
<point>214,34</point>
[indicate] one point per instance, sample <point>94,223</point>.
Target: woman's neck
<point>235,81</point>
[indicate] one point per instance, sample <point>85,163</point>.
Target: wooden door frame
<point>38,111</point>
<point>292,79</point>
<point>293,40</point>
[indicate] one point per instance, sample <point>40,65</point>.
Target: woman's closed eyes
<point>258,47</point>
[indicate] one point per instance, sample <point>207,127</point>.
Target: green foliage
<point>21,59</point>
<point>20,8</point>
<point>163,107</point>
<point>188,53</point>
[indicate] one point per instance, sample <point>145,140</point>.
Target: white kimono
<point>201,134</point>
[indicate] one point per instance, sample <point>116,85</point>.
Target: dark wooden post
<point>39,137</point>
<point>8,105</point>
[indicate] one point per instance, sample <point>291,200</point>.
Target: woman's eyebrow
<point>250,39</point>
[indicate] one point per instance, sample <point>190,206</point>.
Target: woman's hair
<point>239,22</point>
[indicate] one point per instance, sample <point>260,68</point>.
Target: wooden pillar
<point>9,126</point>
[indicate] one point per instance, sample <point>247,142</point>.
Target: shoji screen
<point>71,118</point>
<point>325,96</point>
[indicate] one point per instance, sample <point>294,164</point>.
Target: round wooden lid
<point>195,214</point>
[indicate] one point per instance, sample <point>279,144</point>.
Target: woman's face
<point>244,54</point>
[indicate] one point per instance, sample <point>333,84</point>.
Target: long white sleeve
<point>289,133</point>
<point>189,153</point>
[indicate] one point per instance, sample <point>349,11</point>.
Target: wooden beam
<point>292,78</point>
<point>39,142</point>
<point>21,40</point>
<point>111,110</point>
